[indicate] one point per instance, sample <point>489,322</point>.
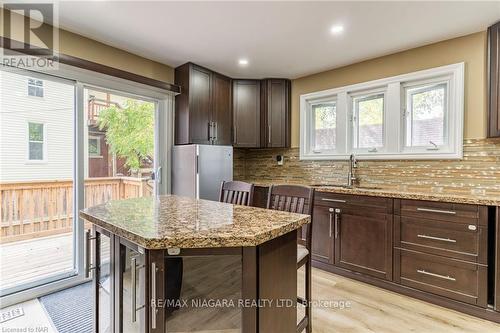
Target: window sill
<point>385,156</point>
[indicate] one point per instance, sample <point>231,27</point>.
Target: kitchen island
<point>175,264</point>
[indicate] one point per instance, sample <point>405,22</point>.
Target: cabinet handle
<point>209,131</point>
<point>234,135</point>
<point>447,277</point>
<point>333,200</point>
<point>337,223</point>
<point>133,271</point>
<point>330,228</point>
<point>88,266</point>
<point>449,240</point>
<point>153,295</point>
<point>436,211</point>
<point>269,134</point>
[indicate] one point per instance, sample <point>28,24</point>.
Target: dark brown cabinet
<point>497,264</point>
<point>203,109</point>
<point>246,113</point>
<point>221,110</point>
<point>354,233</point>
<point>322,234</point>
<point>494,80</point>
<point>363,241</point>
<point>275,113</point>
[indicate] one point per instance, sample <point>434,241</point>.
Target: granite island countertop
<point>178,222</point>
<point>474,199</point>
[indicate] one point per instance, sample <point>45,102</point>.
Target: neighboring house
<point>36,131</point>
<point>36,128</point>
<point>101,162</point>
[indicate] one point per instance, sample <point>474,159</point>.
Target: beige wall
<point>88,49</point>
<point>470,49</point>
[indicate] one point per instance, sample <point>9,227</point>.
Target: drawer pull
<point>436,211</point>
<point>334,200</point>
<point>449,240</point>
<point>449,278</point>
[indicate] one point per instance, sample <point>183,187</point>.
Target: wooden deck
<point>31,260</point>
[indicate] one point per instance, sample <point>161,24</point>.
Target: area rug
<point>71,309</point>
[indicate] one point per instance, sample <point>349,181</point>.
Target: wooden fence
<point>42,208</point>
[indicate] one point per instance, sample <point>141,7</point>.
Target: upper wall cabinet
<point>494,80</point>
<point>275,113</point>
<point>246,113</point>
<point>261,110</point>
<point>203,109</point>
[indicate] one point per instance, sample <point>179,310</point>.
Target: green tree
<point>130,131</point>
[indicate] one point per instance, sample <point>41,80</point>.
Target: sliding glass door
<point>65,145</point>
<point>37,183</point>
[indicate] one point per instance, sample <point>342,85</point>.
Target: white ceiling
<point>279,39</point>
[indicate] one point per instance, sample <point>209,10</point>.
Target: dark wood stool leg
<point>308,295</point>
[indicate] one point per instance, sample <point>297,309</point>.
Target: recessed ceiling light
<point>336,29</point>
<point>243,62</point>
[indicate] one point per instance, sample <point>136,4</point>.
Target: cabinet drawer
<point>456,240</point>
<point>451,278</point>
<point>374,204</point>
<point>443,211</point>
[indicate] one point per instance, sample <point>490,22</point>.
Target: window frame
<point>353,130</point>
<point>44,142</point>
<point>405,105</point>
<point>312,138</point>
<point>394,89</point>
<point>99,152</point>
<point>34,85</point>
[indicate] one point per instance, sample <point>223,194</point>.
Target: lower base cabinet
<point>354,232</point>
<point>497,264</point>
<point>455,279</point>
<point>119,283</point>
<point>436,251</point>
<point>363,242</point>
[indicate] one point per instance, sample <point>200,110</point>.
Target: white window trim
<point>393,116</point>
<point>29,84</point>
<point>44,143</point>
<point>99,152</point>
<point>351,129</point>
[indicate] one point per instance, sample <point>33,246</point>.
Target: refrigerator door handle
<point>210,131</point>
<point>215,131</point>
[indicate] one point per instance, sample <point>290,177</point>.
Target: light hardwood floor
<point>377,310</point>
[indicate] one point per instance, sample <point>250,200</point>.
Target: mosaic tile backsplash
<point>478,173</point>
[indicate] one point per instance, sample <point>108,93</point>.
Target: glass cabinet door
<point>103,284</point>
<point>132,288</point>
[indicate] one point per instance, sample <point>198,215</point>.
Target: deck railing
<point>41,208</point>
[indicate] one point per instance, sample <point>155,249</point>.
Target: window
<point>368,121</point>
<point>425,115</point>
<point>36,138</point>
<point>94,146</point>
<point>325,126</point>
<point>35,87</point>
<point>411,116</point>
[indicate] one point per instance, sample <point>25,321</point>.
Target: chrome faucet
<point>350,176</point>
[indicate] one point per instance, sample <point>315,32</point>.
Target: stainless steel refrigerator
<point>198,170</point>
